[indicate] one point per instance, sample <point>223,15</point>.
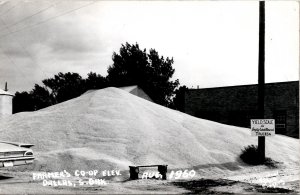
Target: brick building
<point>236,105</point>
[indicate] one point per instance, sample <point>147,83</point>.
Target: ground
<point>249,180</point>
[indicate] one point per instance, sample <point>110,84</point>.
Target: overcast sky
<point>213,43</point>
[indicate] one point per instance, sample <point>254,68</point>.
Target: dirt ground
<point>251,180</point>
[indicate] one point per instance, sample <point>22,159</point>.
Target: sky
<point>213,43</point>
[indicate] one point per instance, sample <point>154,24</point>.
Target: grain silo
<point>5,102</point>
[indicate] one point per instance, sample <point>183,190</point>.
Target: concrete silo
<point>5,103</point>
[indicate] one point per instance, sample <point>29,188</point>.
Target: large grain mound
<point>111,128</point>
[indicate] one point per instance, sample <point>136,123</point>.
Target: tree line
<point>131,66</point>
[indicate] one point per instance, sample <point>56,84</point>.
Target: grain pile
<point>112,129</point>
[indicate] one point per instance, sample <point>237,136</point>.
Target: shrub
<point>250,155</point>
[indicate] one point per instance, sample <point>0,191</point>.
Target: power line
<point>8,9</point>
<point>14,64</point>
<point>29,27</point>
<point>47,20</point>
<point>28,17</point>
<point>22,47</point>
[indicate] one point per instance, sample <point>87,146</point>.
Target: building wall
<point>5,105</point>
<point>236,105</point>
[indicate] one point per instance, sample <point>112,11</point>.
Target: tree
<point>41,97</point>
<point>22,101</point>
<point>95,81</point>
<point>133,66</point>
<point>38,98</point>
<point>178,101</point>
<point>65,86</point>
<point>61,87</point>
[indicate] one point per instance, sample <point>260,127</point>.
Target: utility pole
<point>261,75</point>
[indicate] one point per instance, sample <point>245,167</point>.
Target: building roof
<point>129,88</point>
<point>2,92</point>
<point>136,90</point>
<point>249,85</point>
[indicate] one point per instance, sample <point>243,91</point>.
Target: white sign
<point>262,127</point>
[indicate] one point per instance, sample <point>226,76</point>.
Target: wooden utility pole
<point>261,75</point>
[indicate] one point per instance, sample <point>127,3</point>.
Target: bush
<point>250,155</point>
